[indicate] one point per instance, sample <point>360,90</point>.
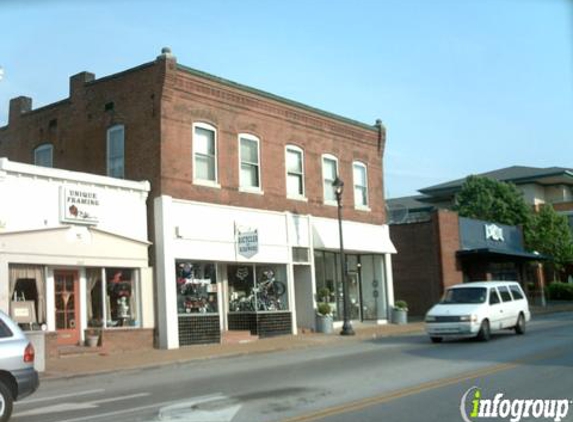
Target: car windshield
<point>465,295</point>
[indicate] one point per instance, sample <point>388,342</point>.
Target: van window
<point>465,295</point>
<point>504,293</point>
<point>516,292</point>
<point>493,297</point>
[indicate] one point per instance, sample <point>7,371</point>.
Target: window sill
<point>207,183</point>
<point>297,198</point>
<point>362,208</point>
<point>251,190</point>
<point>331,203</point>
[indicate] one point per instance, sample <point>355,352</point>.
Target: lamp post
<point>338,186</point>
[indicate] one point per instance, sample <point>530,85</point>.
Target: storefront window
<point>326,274</point>
<point>121,298</point>
<point>27,293</point>
<point>257,288</point>
<point>196,287</point>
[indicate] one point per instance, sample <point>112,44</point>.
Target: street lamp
<point>338,186</point>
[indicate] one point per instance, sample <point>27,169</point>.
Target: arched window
<point>44,155</point>
<point>295,172</point>
<point>329,174</point>
<point>204,153</point>
<point>249,162</point>
<point>116,151</point>
<point>360,175</point>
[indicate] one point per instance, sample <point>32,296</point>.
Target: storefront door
<point>67,307</point>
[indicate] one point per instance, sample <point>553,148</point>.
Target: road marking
<point>138,409</point>
<point>67,407</point>
<point>420,388</point>
<point>37,400</point>
<point>217,409</point>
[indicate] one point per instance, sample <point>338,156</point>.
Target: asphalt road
<point>404,378</point>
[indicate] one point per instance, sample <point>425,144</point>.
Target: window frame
<point>47,146</point>
<point>322,159</point>
<point>109,131</point>
<point>298,150</point>
<point>197,180</point>
<point>242,187</point>
<point>359,206</point>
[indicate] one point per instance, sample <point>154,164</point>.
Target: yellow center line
<point>430,385</point>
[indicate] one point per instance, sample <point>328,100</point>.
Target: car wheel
<point>436,339</point>
<point>484,333</point>
<point>520,326</point>
<point>6,402</point>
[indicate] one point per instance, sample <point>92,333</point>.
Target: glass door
<point>353,296</point>
<point>67,304</point>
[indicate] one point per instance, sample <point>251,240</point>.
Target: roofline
<point>9,166</point>
<point>511,180</point>
<point>274,97</point>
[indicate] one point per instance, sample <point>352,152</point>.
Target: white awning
<point>358,237</point>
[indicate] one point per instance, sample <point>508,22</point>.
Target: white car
<point>478,308</point>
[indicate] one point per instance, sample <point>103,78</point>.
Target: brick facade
<point>158,103</point>
<point>426,261</point>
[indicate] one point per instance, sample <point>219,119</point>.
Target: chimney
<point>78,81</point>
<point>19,106</point>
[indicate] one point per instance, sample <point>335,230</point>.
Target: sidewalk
<point>90,364</point>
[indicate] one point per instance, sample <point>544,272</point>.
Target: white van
<point>478,308</point>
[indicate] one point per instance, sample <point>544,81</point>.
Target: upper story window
<point>295,172</point>
<point>360,175</point>
<point>116,151</point>
<point>250,172</point>
<point>44,155</point>
<point>204,153</point>
<point>329,174</point>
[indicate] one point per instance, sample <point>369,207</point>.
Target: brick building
<point>241,193</point>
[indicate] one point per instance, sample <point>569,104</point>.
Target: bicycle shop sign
<point>247,242</point>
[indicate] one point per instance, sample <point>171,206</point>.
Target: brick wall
<point>158,103</point>
<point>426,260</point>
<point>127,340</point>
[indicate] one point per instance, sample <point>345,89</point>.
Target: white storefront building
<point>74,254</point>
<point>222,268</point>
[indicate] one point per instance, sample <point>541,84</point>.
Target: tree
<point>490,200</point>
<point>549,234</point>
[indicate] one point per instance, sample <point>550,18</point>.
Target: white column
<point>389,279</point>
<point>167,322</point>
<point>5,282</point>
<point>50,300</point>
<point>83,303</point>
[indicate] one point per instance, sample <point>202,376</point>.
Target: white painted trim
<point>47,173</point>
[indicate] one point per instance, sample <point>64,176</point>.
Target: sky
<point>462,86</point>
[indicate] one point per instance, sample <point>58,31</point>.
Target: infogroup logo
<point>474,407</point>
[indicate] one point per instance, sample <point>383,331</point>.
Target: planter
<point>92,341</point>
<point>399,316</point>
<point>324,324</point>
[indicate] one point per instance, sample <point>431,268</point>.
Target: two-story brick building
<point>242,209</point>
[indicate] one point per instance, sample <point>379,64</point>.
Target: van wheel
<point>520,326</point>
<point>6,402</point>
<point>436,339</point>
<point>484,333</point>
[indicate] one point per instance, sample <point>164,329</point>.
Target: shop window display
<point>121,298</point>
<point>196,288</point>
<point>257,288</point>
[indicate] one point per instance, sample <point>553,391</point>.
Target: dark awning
<point>526,256</point>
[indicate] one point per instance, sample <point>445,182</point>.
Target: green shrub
<point>324,309</point>
<point>323,294</point>
<point>401,304</point>
<point>560,291</point>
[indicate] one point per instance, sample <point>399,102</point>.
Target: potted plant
<point>93,337</point>
<point>400,312</point>
<point>323,312</point>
